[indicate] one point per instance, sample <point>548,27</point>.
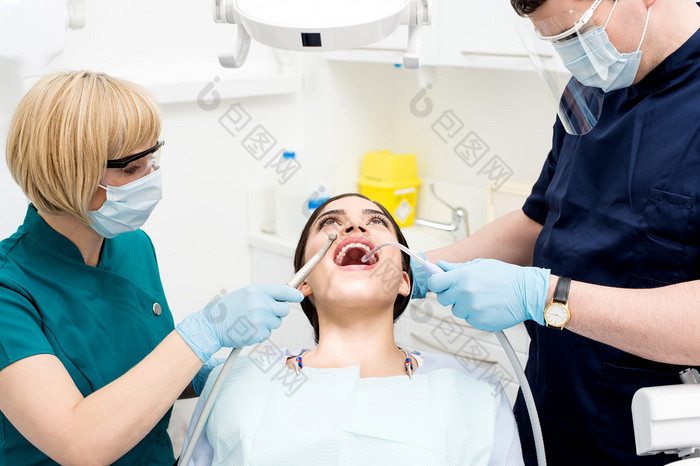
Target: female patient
<point>356,398</point>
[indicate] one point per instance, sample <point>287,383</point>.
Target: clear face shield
<point>568,40</point>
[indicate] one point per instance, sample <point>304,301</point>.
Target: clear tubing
<point>293,282</point>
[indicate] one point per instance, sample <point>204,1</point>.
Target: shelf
<point>184,82</point>
<point>271,243</point>
<point>419,237</point>
<point>495,61</point>
<point>389,57</point>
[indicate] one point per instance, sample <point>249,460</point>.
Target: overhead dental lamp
<point>321,25</point>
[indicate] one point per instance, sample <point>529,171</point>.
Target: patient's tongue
<point>353,256</point>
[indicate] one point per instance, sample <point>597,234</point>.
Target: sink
<point>421,238</point>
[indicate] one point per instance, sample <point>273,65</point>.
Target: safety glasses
<point>127,169</point>
<point>565,25</point>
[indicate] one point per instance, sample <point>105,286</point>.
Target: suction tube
<point>427,265</point>
<point>507,347</point>
<point>293,282</point>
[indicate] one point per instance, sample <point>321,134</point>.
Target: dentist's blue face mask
<point>593,59</point>
<point>127,207</point>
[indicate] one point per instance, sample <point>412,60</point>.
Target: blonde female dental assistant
<point>90,362</point>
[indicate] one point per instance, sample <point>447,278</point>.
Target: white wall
<point>13,204</point>
<point>504,108</point>
<point>369,107</point>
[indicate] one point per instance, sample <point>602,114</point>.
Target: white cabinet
<point>463,33</point>
<point>480,33</point>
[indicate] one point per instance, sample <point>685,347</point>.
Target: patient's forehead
<point>351,204</point>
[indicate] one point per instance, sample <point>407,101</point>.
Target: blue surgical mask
<point>127,207</point>
<point>595,62</point>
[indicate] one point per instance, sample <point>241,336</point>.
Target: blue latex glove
<point>492,295</point>
<point>240,318</point>
<point>420,278</point>
<point>201,378</point>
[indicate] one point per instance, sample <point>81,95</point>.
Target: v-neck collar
<point>37,227</point>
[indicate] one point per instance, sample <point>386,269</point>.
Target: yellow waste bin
<point>392,180</point>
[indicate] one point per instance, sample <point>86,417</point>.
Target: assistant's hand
<point>492,295</point>
<point>240,318</point>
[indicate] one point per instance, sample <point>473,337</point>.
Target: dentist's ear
<point>305,289</point>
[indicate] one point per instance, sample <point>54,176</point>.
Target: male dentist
<point>603,261</point>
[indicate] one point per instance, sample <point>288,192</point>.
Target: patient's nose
<point>350,228</point>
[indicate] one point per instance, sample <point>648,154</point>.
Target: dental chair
<point>667,419</point>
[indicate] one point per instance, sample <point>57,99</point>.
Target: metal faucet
<point>460,223</point>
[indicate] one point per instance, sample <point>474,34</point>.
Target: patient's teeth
<point>341,254</point>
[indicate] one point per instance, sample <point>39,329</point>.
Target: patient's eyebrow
<point>373,212</point>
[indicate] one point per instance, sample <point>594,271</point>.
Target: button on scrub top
<point>98,321</point>
<point>619,207</point>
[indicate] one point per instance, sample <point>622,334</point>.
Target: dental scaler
<point>304,272</point>
<point>432,269</point>
<point>293,282</point>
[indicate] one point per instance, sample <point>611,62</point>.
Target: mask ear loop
<point>644,32</point>
<point>610,15</point>
<point>601,70</point>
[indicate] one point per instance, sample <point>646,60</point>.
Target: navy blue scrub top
<point>98,321</point>
<point>618,208</point>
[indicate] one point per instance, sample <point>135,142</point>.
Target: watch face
<point>556,314</point>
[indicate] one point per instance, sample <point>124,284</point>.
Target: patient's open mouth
<point>351,250</point>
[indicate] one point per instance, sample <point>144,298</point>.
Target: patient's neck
<point>361,338</point>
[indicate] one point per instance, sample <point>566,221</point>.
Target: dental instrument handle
<point>304,272</point>
<point>431,268</point>
<point>208,405</point>
<point>293,282</point>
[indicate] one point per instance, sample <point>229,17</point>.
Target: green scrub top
<point>98,321</point>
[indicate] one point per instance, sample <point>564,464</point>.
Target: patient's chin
<point>363,295</point>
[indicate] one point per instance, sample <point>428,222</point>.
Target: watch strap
<point>561,291</point>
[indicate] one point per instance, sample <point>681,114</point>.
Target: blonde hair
<point>65,130</point>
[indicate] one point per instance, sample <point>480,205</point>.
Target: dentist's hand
<point>240,318</point>
<point>492,295</point>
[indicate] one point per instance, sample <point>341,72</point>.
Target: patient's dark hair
<point>308,307</point>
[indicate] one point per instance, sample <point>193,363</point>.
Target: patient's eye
<point>379,219</point>
<point>329,220</point>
